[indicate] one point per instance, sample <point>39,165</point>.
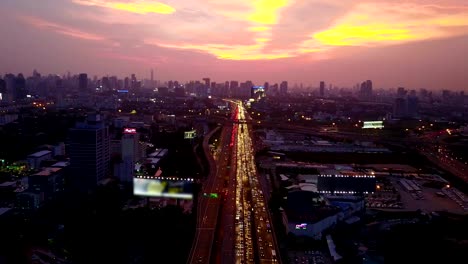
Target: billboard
<point>346,184</point>
<point>190,134</point>
<point>302,226</point>
<point>129,131</point>
<point>373,124</point>
<point>163,188</point>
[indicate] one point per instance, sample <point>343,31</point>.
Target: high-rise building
<point>207,81</point>
<point>89,153</point>
<point>322,89</point>
<point>10,84</point>
<point>400,108</point>
<point>366,89</point>
<point>2,89</point>
<point>283,90</point>
<point>126,83</point>
<point>83,82</point>
<point>130,154</point>
<point>105,84</point>
<point>133,82</point>
<point>234,88</point>
<point>266,86</point>
<point>401,92</point>
<point>412,107</point>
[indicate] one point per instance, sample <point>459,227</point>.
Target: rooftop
<point>40,154</point>
<point>4,210</point>
<point>47,171</point>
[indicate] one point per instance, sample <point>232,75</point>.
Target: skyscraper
<point>2,89</point>
<point>130,154</point>
<point>83,82</point>
<point>400,108</point>
<point>366,89</point>
<point>283,90</point>
<point>133,82</point>
<point>89,153</point>
<point>322,89</point>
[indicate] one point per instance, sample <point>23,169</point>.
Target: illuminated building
<point>346,184</point>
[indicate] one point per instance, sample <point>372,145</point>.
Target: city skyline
<point>417,44</point>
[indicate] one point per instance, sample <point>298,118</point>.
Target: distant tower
<point>400,108</point>
<point>322,89</point>
<point>366,89</point>
<point>283,88</point>
<point>83,82</point>
<point>207,82</point>
<point>133,82</point>
<point>152,78</point>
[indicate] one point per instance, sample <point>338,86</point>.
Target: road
<point>254,239</point>
<point>235,227</point>
<point>208,208</point>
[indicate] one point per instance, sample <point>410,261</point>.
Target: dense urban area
<point>137,170</point>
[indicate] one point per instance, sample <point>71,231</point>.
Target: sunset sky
<point>416,43</point>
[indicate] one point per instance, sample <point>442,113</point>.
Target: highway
<point>235,227</point>
<point>254,239</point>
<point>208,208</point>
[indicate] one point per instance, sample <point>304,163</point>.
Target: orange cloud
<point>139,7</point>
<point>61,29</point>
<point>372,24</point>
<point>231,52</point>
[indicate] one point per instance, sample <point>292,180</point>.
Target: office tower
<point>113,83</point>
<point>133,82</point>
<point>366,89</point>
<point>369,87</point>
<point>283,90</point>
<point>152,78</point>
<point>273,90</point>
<point>20,87</point>
<point>2,89</point>
<point>412,107</point>
<point>83,82</point>
<point>322,89</point>
<point>401,92</point>
<point>233,88</point>
<point>105,84</point>
<point>10,88</point>
<point>400,108</point>
<point>207,85</point>
<point>130,153</point>
<point>89,153</point>
<point>245,92</point>
<point>266,86</point>
<point>126,83</point>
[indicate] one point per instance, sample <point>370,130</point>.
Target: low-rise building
<point>35,159</point>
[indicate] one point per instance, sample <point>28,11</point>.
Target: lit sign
<point>190,134</point>
<point>162,188</point>
<point>130,131</point>
<point>302,226</point>
<point>122,91</point>
<point>373,124</point>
